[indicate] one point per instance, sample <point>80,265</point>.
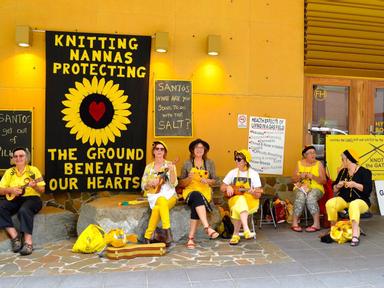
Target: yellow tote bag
<point>91,240</point>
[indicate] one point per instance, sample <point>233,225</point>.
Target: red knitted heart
<point>96,110</point>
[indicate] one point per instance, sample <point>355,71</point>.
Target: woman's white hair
<point>27,155</point>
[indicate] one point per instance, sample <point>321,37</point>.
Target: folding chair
<point>262,220</point>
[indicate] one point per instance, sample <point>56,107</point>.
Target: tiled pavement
<point>278,258</point>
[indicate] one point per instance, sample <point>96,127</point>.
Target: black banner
<point>96,111</point>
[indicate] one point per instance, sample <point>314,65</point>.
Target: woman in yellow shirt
<point>309,178</point>
<point>25,183</point>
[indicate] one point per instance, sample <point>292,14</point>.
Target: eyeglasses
<point>238,159</point>
<point>159,148</point>
<point>199,147</point>
<point>18,156</point>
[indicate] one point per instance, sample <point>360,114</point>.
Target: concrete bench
<point>50,224</point>
<point>133,219</point>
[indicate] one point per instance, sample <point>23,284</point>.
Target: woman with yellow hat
<point>353,187</point>
<point>247,182</point>
<point>159,182</point>
<point>309,178</point>
<point>197,176</point>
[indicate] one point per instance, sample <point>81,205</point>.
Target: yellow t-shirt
<point>13,178</point>
<point>314,170</point>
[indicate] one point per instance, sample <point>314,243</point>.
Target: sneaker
<point>249,235</point>
<point>16,244</point>
<point>26,250</point>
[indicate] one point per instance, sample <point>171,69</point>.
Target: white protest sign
<point>379,184</point>
<point>266,143</point>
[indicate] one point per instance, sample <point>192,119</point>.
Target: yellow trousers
<point>160,211</point>
<point>337,204</point>
<point>243,203</point>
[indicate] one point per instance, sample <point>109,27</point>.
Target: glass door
<point>327,110</point>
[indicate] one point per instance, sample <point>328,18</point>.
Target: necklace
<point>202,164</point>
<point>348,178</point>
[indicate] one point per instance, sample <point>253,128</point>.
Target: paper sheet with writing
<point>266,143</point>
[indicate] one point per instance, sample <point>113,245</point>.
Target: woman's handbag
<point>328,194</point>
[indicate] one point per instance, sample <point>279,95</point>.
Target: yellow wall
<point>259,72</point>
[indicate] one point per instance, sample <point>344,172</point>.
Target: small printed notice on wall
<point>241,120</point>
<point>266,143</point>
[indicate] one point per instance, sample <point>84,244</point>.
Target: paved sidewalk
<point>279,258</point>
<point>57,258</point>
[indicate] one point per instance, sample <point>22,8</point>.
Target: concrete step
<point>50,224</point>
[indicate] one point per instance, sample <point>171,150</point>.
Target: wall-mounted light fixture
<point>161,42</point>
<point>214,45</point>
<point>23,35</point>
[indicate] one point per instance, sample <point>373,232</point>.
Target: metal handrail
<point>327,130</point>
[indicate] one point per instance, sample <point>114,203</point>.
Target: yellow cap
<point>247,155</point>
<point>160,142</point>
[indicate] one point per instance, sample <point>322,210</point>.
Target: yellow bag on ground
<point>91,240</point>
<point>341,232</point>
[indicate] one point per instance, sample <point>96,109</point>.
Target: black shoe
<point>26,250</point>
<point>147,241</point>
<point>16,244</point>
<point>355,241</point>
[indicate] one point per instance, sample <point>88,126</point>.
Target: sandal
<point>26,250</point>
<point>234,240</point>
<point>16,244</point>
<point>213,234</point>
<point>297,228</point>
<point>312,229</point>
<point>249,235</point>
<point>355,241</point>
<point>191,243</point>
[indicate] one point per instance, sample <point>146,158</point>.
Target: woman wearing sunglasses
<point>197,176</point>
<point>23,185</point>
<point>158,183</point>
<point>242,186</point>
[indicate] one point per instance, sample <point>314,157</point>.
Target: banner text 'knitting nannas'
<point>96,109</point>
